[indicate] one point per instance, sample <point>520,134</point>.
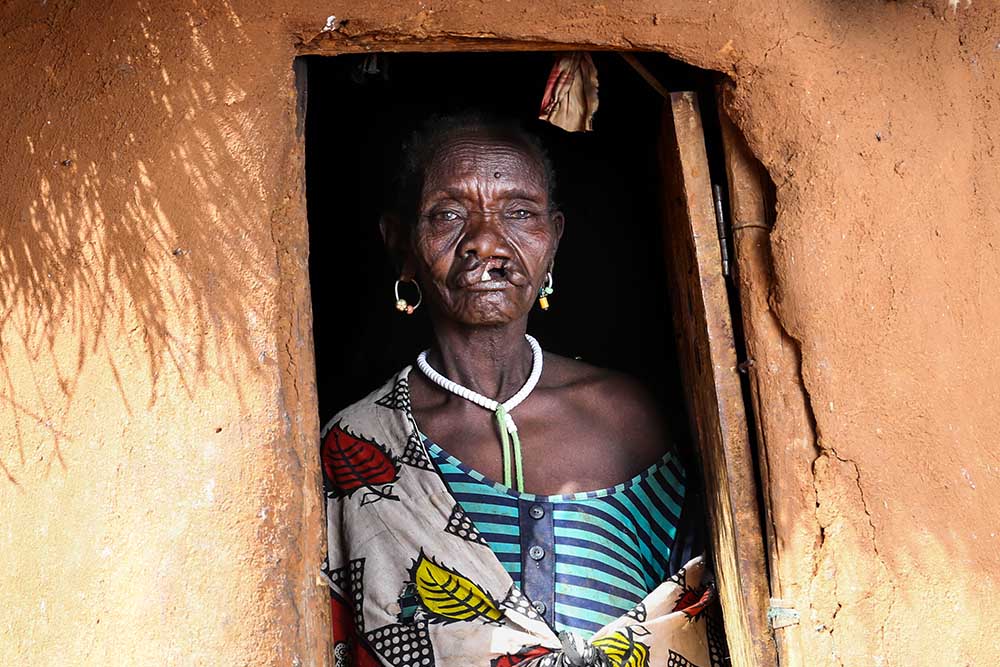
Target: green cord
<point>517,463</point>
<point>501,415</point>
<point>505,444</point>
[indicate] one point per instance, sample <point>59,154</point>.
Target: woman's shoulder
<point>588,380</point>
<point>394,394</point>
<point>617,400</point>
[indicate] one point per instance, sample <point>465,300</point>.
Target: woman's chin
<point>489,312</point>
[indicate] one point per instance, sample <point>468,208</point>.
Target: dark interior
<point>610,305</point>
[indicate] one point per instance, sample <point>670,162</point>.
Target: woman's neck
<point>493,361</point>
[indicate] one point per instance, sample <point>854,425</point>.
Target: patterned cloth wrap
<point>413,584</point>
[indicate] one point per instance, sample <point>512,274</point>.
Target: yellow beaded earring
<point>544,291</point>
<point>401,304</point>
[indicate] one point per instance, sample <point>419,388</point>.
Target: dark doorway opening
<point>646,151</point>
<point>362,107</point>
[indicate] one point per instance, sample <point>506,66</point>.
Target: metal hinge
<point>782,613</point>
<point>720,225</point>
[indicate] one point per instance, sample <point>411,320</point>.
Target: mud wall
<point>159,494</point>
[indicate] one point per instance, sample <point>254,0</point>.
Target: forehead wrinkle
<point>474,156</point>
<point>513,192</point>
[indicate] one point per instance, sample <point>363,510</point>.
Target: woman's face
<point>484,237</point>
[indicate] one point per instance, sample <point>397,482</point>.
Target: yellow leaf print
<point>448,596</point>
<point>623,650</point>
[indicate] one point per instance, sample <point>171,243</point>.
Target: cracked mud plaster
<point>122,357</point>
<point>851,589</point>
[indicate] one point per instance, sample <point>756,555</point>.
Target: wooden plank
<point>785,437</point>
<point>708,364</point>
<point>751,242</point>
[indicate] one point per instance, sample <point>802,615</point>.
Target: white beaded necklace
<point>501,410</point>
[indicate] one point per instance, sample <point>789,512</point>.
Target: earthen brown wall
<point>159,496</point>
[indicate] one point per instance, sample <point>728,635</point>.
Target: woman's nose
<point>483,237</point>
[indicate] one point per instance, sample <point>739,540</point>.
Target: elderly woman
<point>501,505</point>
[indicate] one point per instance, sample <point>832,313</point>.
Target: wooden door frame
<point>729,470</point>
<point>708,362</point>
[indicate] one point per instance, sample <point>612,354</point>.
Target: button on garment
<point>583,559</point>
<point>538,572</point>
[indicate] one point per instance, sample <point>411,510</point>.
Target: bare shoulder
<point>613,401</point>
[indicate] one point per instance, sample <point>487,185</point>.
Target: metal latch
<point>720,225</point>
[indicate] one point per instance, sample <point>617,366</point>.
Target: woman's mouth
<point>493,274</point>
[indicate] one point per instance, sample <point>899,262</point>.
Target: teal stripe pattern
<point>611,546</point>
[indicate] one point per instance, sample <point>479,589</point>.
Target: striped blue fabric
<point>611,546</point>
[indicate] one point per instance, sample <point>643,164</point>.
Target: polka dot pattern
<point>517,601</point>
<point>716,640</point>
<point>403,644</point>
<point>398,398</point>
<point>638,612</point>
<point>348,582</point>
<point>678,660</point>
<point>461,525</point>
<point>414,454</point>
<point>357,592</point>
<point>339,578</point>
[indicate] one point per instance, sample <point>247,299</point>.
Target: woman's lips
<point>488,276</point>
<point>492,286</point>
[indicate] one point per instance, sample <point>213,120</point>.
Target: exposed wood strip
<point>784,429</point>
<point>647,76</point>
<point>708,363</point>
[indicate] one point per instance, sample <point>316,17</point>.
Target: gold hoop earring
<point>544,291</point>
<point>401,304</point>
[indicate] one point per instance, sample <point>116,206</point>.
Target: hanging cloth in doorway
<point>570,99</point>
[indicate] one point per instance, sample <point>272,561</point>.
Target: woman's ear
<point>396,240</point>
<point>558,223</point>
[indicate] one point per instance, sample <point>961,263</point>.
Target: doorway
<point>362,107</point>
<point>610,185</point>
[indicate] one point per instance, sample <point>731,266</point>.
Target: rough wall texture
<point>158,478</point>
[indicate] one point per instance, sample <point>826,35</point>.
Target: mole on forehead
<point>489,162</point>
<point>484,154</point>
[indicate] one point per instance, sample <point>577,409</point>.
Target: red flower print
<point>693,601</point>
<point>525,654</point>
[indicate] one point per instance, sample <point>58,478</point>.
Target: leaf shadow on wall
<point>136,253</point>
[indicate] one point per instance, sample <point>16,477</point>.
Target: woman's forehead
<point>479,155</point>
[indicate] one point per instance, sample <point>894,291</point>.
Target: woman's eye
<point>445,216</point>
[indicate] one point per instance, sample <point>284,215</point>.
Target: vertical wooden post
<point>786,439</point>
<point>708,364</point>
